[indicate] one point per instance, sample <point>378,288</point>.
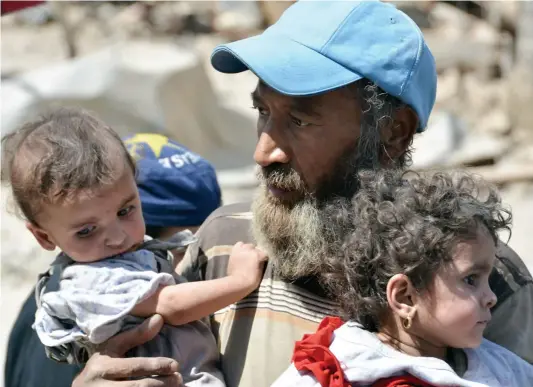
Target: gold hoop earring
<point>407,323</point>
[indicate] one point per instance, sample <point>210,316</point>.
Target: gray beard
<point>292,237</point>
<point>298,236</point>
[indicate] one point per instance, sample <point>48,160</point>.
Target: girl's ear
<point>401,296</point>
<point>41,236</point>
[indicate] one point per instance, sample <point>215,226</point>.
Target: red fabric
<point>12,6</point>
<point>312,354</point>
<point>402,381</point>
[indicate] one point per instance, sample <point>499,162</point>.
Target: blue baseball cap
<point>318,46</point>
<point>177,187</point>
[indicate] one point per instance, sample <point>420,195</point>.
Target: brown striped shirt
<point>256,335</point>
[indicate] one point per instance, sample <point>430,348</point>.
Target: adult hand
<point>107,368</point>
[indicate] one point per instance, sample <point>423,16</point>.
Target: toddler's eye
<point>125,211</point>
<point>85,232</point>
<point>471,280</point>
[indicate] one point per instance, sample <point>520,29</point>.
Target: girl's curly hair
<point>402,222</point>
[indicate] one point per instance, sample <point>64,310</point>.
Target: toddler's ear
<point>401,296</point>
<point>41,236</point>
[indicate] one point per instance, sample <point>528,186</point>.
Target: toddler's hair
<point>402,222</point>
<point>59,154</point>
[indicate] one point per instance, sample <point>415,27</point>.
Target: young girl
<point>74,182</point>
<point>412,279</point>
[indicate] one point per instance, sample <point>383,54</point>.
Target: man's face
<point>302,140</point>
<point>308,154</point>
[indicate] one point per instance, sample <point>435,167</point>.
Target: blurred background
<point>144,67</point>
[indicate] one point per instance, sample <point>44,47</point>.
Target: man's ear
<point>41,236</point>
<point>401,296</point>
<point>398,135</point>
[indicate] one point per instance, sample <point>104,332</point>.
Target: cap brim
<point>283,64</point>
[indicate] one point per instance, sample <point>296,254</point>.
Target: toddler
<point>74,182</point>
<point>412,280</point>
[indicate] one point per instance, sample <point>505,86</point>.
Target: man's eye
<point>471,280</point>
<point>299,123</point>
<point>262,111</point>
<point>83,233</point>
<point>125,211</point>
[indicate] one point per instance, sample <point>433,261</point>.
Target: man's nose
<point>268,151</point>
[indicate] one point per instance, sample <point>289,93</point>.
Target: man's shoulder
<point>231,212</point>
<point>207,258</point>
<point>510,274</point>
<point>226,226</point>
<point>512,316</point>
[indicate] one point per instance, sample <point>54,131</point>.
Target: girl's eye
<point>471,280</point>
<point>299,123</point>
<point>125,211</point>
<point>85,232</point>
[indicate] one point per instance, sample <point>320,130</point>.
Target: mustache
<point>281,176</point>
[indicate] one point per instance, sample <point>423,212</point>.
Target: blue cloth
<point>177,187</point>
<point>317,46</point>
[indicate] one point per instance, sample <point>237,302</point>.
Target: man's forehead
<point>263,91</point>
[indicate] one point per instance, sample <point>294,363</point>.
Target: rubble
<point>138,87</point>
<point>449,86</point>
<point>479,149</point>
<point>478,96</point>
<point>272,10</point>
<point>237,16</point>
<point>495,122</point>
<point>473,43</point>
<point>434,146</point>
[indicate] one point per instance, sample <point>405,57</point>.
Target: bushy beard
<point>297,235</point>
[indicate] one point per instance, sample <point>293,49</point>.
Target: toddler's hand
<point>246,262</point>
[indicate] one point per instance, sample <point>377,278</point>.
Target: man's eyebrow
<point>305,106</point>
<point>255,96</point>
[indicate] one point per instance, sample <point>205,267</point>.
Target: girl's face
<point>457,310</point>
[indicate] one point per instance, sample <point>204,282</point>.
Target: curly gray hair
<point>398,223</point>
<point>378,107</point>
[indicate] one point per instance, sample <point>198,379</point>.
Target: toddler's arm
<point>182,303</point>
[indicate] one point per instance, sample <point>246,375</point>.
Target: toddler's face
<point>458,309</point>
<point>95,224</point>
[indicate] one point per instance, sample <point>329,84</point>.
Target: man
<point>178,190</point>
<point>343,86</point>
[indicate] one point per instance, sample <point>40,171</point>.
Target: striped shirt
<point>256,335</point>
